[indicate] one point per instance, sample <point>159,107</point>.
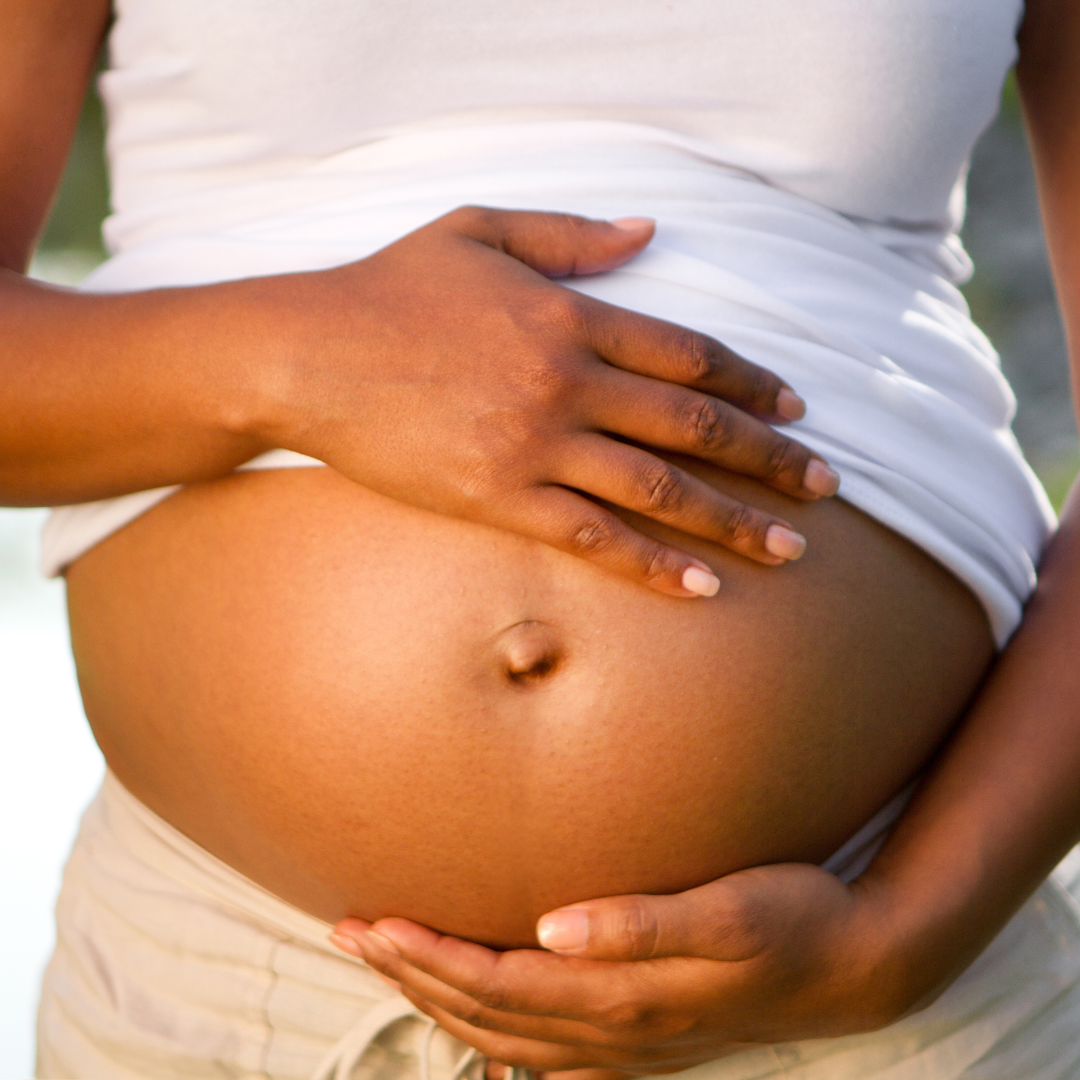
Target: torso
<point>371,709</point>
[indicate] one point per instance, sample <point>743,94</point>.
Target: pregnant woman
<point>433,554</point>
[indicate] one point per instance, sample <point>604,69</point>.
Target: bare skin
<point>784,951</point>
<point>104,395</point>
<point>181,385</point>
<point>375,710</point>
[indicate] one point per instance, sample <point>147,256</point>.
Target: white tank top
<point>868,107</point>
<point>804,161</point>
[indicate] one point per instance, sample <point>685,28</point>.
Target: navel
<point>529,652</point>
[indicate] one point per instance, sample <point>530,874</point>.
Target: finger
<point>673,418</point>
<point>528,982</point>
<point>633,1008</point>
<point>348,944</point>
<point>637,480</point>
<point>732,920</point>
<point>543,1056</point>
<point>521,1025</point>
<point>664,350</point>
<point>531,1053</point>
<point>468,1009</point>
<point>555,245</point>
<point>640,1007</point>
<point>571,523</point>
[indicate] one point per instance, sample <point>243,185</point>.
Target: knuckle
<point>745,929</point>
<point>710,425</point>
<point>564,308</point>
<point>626,1019</point>
<point>658,564</point>
<point>593,537</point>
<point>696,353</point>
<point>490,997</point>
<point>757,386</point>
<point>744,525</point>
<point>553,380</point>
<point>549,381</point>
<point>470,1012</point>
<point>786,457</point>
<point>638,929</point>
<point>554,314</point>
<point>476,483</point>
<point>764,386</point>
<point>662,488</point>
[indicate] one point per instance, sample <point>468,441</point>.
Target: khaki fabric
<point>171,965</point>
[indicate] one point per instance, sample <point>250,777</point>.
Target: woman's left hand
<point>652,984</point>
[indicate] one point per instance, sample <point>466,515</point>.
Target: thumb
<point>555,245</point>
<point>715,921</point>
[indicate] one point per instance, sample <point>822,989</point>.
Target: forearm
<point>103,395</point>
<point>1001,805</point>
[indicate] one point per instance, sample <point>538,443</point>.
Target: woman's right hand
<point>449,372</point>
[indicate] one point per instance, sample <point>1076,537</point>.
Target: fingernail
<point>633,224</point>
<point>783,542</point>
<point>820,479</point>
<point>346,944</point>
<point>700,582</point>
<point>562,931</point>
<point>384,942</point>
<point>789,405</point>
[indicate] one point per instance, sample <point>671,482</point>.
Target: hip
<point>170,964</point>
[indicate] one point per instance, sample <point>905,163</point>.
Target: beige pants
<point>170,964</point>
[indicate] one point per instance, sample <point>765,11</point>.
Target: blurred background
<point>1012,298</point>
<point>51,767</point>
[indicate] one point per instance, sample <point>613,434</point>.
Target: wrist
<point>270,339</point>
<point>230,360</point>
<point>195,353</point>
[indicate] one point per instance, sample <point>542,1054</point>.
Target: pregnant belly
<point>372,710</point>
